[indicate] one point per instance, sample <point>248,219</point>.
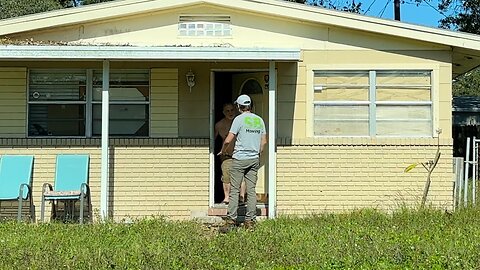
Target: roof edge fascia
<point>84,53</point>
<point>69,16</point>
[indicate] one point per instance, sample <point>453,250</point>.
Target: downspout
<point>272,150</point>
<point>105,155</point>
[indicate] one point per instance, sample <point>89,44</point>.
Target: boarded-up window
<point>373,103</point>
<point>341,103</point>
<point>403,103</point>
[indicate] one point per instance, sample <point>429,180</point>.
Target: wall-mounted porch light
<point>190,79</point>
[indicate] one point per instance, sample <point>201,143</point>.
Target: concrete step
<point>221,210</point>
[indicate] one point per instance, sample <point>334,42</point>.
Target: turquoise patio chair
<point>16,180</point>
<point>71,185</point>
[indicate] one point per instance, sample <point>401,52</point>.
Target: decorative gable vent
<point>204,26</point>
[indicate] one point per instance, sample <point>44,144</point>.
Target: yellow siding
<point>13,102</point>
<point>194,105</point>
<point>148,177</point>
<point>445,100</point>
<point>164,102</point>
<point>341,175</point>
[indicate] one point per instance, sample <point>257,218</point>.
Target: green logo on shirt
<point>253,122</point>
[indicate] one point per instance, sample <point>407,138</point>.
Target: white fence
<point>466,175</point>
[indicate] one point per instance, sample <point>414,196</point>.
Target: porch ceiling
<point>89,53</point>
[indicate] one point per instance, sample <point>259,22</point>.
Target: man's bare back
<point>222,127</point>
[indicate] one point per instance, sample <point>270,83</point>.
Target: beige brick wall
<point>148,177</point>
<point>342,175</point>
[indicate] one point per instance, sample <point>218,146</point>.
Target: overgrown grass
<point>367,239</point>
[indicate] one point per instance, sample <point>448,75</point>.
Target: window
<point>129,103</point>
<point>60,100</point>
<point>373,103</point>
<point>251,87</point>
<point>204,26</point>
<point>57,102</point>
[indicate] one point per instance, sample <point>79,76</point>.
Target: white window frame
<point>99,102</point>
<point>434,70</point>
<point>362,103</point>
<point>219,22</point>
<point>30,102</point>
<point>88,103</point>
<point>401,103</point>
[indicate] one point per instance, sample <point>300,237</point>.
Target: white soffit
<point>21,52</point>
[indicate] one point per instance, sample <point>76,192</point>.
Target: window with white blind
<point>59,102</point>
<point>396,103</point>
<point>56,103</point>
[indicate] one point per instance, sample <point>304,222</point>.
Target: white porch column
<point>105,154</point>
<point>272,134</point>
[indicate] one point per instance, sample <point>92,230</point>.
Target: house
<point>466,111</point>
<point>466,122</point>
<point>349,102</point>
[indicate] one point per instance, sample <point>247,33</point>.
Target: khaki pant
<point>243,170</point>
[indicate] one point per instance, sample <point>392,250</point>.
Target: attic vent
<point>204,26</point>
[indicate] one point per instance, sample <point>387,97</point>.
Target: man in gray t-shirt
<point>249,131</point>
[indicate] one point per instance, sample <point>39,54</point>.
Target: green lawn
<point>407,239</point>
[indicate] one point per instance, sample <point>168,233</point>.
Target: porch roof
<point>89,53</point>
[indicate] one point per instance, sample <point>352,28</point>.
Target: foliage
<point>460,15</point>
<point>467,84</point>
<point>466,16</point>
<point>15,8</point>
<point>366,239</point>
<point>349,6</point>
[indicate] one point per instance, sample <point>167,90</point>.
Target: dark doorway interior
<point>223,94</point>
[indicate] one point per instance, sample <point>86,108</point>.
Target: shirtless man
<point>222,128</point>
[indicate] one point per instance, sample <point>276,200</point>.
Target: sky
<point>424,14</point>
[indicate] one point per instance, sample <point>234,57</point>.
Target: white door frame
<point>271,163</point>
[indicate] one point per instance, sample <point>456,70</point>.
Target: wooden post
<point>397,9</point>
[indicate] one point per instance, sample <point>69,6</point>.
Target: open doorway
<point>228,85</point>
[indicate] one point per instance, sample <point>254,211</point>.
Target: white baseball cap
<point>243,100</point>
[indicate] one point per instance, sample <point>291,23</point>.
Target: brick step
<point>221,210</point>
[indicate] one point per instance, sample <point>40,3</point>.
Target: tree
<point>467,84</point>
<point>460,15</point>
<point>16,8</point>
<point>348,6</point>
<point>465,17</point>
